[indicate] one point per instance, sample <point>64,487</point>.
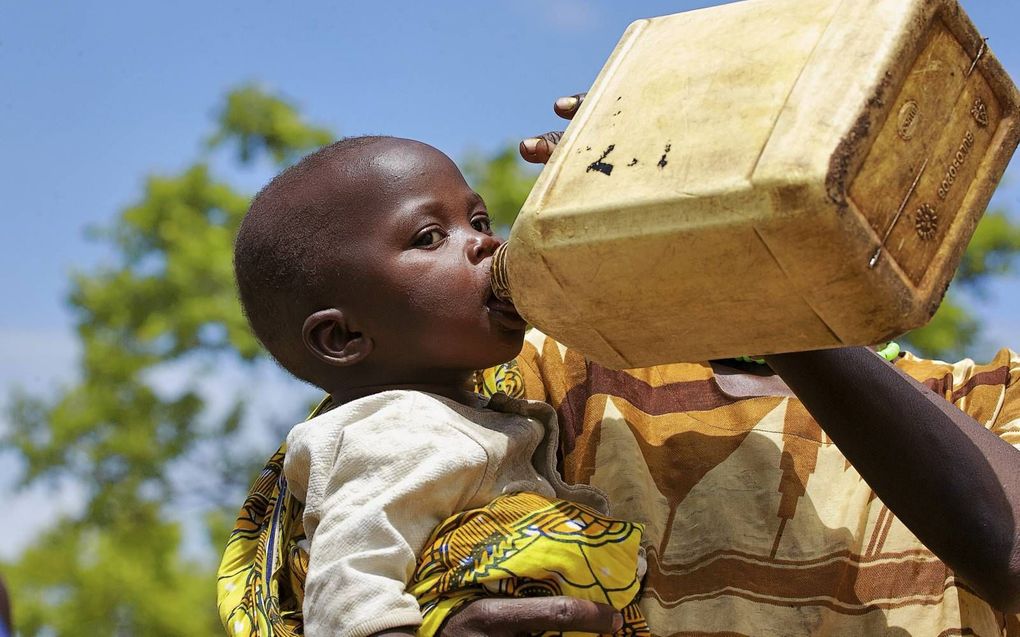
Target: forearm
<point>952,482</point>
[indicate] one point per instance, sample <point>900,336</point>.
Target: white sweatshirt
<point>378,474</point>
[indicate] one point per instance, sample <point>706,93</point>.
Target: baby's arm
<point>396,475</point>
<point>953,483</point>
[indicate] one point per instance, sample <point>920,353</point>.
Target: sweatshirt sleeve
<point>376,490</point>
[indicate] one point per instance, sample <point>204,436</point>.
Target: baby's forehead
<point>396,171</point>
<point>348,190</point>
<point>368,170</point>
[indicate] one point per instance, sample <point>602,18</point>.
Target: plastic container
<point>764,176</point>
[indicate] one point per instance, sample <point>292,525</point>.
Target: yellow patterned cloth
<point>261,578</point>
<point>526,545</point>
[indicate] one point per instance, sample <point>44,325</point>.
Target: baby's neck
<point>456,392</point>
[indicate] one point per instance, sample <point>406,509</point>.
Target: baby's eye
<point>481,223</point>
<point>429,238</point>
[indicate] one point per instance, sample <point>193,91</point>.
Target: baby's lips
<point>498,304</point>
<point>505,314</point>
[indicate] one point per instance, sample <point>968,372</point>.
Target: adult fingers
<point>537,150</point>
<point>504,617</point>
<point>566,107</point>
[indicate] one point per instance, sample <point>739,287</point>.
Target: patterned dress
<point>755,524</point>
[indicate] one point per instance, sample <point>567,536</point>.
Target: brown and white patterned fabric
<point>755,522</point>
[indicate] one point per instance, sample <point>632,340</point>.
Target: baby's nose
<point>483,246</point>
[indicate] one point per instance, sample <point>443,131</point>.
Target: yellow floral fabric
<point>261,578</point>
<point>527,545</point>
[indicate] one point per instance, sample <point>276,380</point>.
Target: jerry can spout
<point>499,280</point>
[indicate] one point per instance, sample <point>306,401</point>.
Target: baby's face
<point>424,252</point>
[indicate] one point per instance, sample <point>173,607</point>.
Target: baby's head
<point>367,264</point>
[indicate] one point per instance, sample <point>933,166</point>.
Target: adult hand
<point>538,149</point>
<point>504,617</point>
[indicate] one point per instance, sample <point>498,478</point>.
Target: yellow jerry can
<point>764,176</point>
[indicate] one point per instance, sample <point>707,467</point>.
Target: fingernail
<point>566,103</point>
<point>617,622</point>
<point>530,145</point>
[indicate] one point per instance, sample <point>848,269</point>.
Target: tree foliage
<point>168,300</point>
<point>258,122</point>
<point>122,575</point>
<point>117,569</point>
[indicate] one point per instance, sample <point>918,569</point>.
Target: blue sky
<point>97,95</point>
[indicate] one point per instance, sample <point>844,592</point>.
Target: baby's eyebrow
<point>435,207</point>
<point>474,198</point>
<point>414,209</point>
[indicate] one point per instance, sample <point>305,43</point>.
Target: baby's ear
<point>328,336</point>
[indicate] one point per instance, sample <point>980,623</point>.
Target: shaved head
<point>369,261</point>
<point>289,252</point>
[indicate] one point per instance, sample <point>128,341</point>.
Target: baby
<point>364,270</point>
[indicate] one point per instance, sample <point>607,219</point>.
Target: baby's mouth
<point>504,312</point>
<point>498,304</point>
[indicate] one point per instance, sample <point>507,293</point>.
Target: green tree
<point>168,299</point>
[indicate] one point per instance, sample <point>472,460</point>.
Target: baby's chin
<point>459,356</point>
<point>505,345</point>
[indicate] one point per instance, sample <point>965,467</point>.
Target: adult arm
<point>951,481</point>
<point>497,617</point>
<point>504,617</point>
